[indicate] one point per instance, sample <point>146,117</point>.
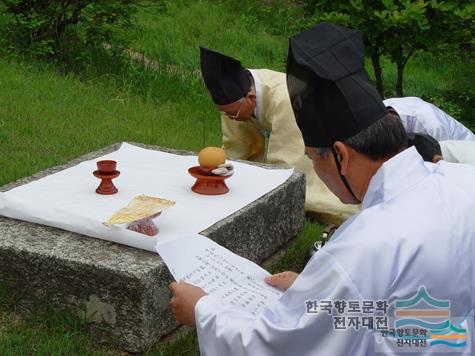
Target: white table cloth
<point>67,199</point>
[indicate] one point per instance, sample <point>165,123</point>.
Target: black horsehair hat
<point>426,145</point>
<point>226,80</point>
<point>332,96</point>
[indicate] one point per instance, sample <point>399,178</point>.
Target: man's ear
<point>343,155</point>
<point>437,158</point>
<point>252,96</point>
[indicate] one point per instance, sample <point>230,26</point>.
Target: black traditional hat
<point>332,96</point>
<point>226,80</point>
<point>426,145</point>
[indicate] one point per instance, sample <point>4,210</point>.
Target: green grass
<point>50,114</point>
<point>173,38</point>
<point>47,118</point>
<point>40,330</point>
<point>297,255</point>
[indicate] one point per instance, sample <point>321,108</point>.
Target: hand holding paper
<point>185,297</point>
<point>234,280</point>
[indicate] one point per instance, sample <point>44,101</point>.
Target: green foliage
<point>450,107</point>
<point>38,26</point>
<point>5,21</point>
<point>398,29</point>
<point>457,104</point>
<point>445,82</point>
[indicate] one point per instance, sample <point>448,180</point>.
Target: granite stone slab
<point>123,290</point>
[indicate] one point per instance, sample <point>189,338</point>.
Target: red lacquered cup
<point>106,166</point>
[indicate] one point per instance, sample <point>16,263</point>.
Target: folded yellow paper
<point>140,207</point>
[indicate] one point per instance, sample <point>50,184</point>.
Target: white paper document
<point>67,199</point>
<point>235,280</point>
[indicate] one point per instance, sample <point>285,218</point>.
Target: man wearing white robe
<point>419,116</point>
<point>416,228</point>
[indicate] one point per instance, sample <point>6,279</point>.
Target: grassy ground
<point>174,38</point>
<point>47,119</point>
<point>42,331</point>
<point>51,113</point>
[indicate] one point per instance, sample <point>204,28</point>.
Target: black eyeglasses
<point>233,117</point>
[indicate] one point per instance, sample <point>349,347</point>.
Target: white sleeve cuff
<point>205,306</point>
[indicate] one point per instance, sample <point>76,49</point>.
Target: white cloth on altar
<point>67,199</point>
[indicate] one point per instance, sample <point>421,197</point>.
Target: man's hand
<point>185,296</point>
<point>282,280</point>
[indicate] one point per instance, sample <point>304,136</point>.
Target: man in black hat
<point>414,238</point>
<point>258,125</point>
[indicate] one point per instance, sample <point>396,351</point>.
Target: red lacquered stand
<point>106,187</point>
<point>208,184</point>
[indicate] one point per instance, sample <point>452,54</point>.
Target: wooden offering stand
<point>106,171</point>
<point>208,184</point>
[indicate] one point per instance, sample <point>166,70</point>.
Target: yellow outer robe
<point>245,140</point>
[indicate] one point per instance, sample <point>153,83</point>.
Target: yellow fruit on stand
<point>211,157</point>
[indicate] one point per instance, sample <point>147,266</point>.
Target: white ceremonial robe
<point>416,228</point>
<point>419,116</point>
<point>458,151</point>
<point>274,118</point>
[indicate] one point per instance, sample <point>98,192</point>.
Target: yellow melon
<point>211,157</point>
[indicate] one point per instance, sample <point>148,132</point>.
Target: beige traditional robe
<point>274,118</point>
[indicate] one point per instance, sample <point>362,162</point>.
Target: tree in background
<point>38,26</point>
<point>398,29</point>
